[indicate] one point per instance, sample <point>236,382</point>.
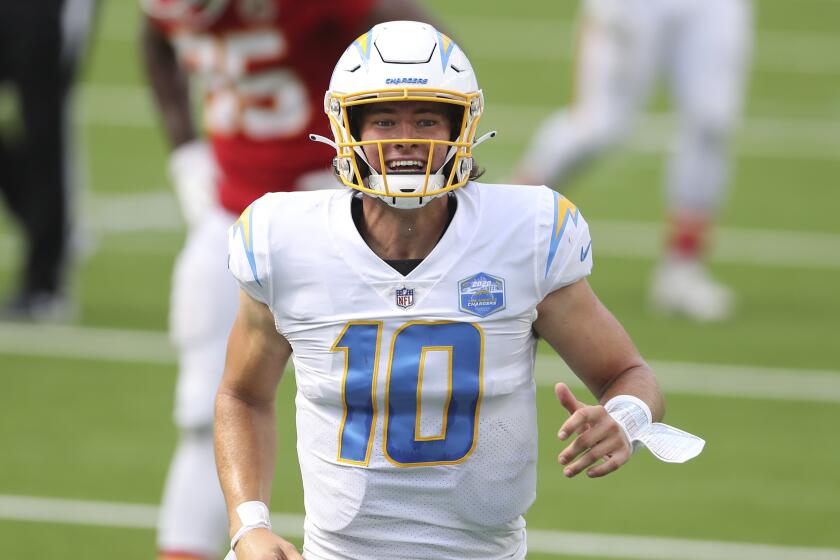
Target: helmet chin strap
<point>403,183</point>
<point>407,183</point>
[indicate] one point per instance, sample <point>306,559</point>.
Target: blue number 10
<point>403,444</point>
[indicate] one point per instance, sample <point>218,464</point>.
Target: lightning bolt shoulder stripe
<point>246,231</point>
<point>564,211</point>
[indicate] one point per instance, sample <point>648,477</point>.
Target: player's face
<point>410,120</point>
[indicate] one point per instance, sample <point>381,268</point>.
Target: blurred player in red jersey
<point>263,67</point>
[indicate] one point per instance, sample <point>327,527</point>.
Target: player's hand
<point>262,544</point>
<point>193,171</point>
<point>599,437</point>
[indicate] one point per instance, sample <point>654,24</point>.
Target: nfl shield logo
<point>405,297</point>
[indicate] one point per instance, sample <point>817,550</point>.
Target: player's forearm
<point>170,85</point>
<point>245,424</point>
<point>596,347</point>
<point>245,438</point>
<point>640,382</point>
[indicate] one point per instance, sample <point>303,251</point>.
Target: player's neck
<point>403,234</point>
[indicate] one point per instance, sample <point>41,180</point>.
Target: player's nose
<point>405,131</point>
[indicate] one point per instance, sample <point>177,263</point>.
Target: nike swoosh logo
<point>584,251</point>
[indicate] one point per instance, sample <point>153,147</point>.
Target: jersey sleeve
<point>248,258</point>
<point>564,244</point>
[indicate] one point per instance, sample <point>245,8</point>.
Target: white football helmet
<point>190,13</point>
<point>403,61</point>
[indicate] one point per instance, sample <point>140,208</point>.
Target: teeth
<point>409,163</point>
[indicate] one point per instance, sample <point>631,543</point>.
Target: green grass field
<point>87,419</point>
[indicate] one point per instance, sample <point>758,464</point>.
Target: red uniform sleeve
<point>161,25</point>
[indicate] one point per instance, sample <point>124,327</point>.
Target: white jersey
<point>416,414</point>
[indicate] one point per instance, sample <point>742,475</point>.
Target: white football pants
<point>205,298</point>
<point>204,301</point>
<point>701,47</point>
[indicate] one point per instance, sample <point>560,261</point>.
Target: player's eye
<point>426,123</point>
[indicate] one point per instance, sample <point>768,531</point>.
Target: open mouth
<point>407,166</point>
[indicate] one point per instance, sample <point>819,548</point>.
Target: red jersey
<point>266,65</point>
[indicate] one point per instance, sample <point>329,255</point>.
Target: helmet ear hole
<point>342,168</point>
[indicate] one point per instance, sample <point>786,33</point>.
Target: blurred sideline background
<point>85,430</point>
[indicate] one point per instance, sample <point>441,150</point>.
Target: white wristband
<point>252,515</point>
<point>632,414</point>
<point>667,443</point>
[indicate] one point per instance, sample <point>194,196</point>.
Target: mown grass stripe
<point>142,516</point>
<point>150,347</point>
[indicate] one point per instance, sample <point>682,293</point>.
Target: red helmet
<point>192,13</point>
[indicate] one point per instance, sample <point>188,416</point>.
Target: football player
<point>412,303</point>
<point>702,48</point>
<point>261,67</point>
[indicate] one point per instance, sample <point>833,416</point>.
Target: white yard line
<point>86,343</point>
<point>809,139</point>
<point>716,380</point>
<point>774,248</point>
<point>551,39</point>
<point>612,239</point>
<point>761,137</point>
<point>719,380</point>
<point>78,512</point>
<point>157,211</point>
<point>145,211</point>
<point>141,516</point>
